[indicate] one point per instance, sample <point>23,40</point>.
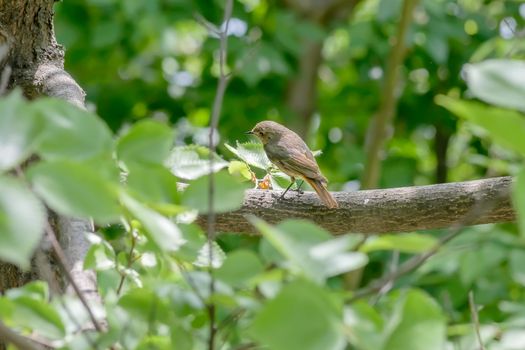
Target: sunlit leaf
<point>145,142</point>
<point>19,130</point>
<point>29,308</point>
<point>252,153</point>
<point>228,193</point>
<point>417,323</point>
<point>308,249</point>
<point>404,242</point>
<point>75,189</point>
<point>22,219</point>
<point>498,81</point>
<point>506,127</point>
<point>163,231</point>
<point>70,132</point>
<point>204,256</point>
<point>240,169</point>
<point>100,256</point>
<point>192,162</point>
<point>153,183</point>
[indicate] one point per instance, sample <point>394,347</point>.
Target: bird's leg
<point>299,187</point>
<point>291,184</point>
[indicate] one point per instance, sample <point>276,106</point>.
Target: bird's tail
<point>322,192</point>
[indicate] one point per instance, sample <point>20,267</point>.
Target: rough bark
<point>36,61</point>
<point>378,211</point>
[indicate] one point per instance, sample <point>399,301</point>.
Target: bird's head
<point>267,131</point>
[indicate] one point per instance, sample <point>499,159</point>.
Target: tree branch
<point>377,211</point>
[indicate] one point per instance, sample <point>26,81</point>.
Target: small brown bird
<point>289,153</point>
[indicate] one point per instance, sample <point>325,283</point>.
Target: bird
<point>292,156</point>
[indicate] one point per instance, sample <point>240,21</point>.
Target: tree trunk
<point>29,50</point>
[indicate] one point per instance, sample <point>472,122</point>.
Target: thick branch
<point>377,211</point>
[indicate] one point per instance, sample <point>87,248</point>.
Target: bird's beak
<point>249,132</point>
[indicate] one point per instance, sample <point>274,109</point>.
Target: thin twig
<point>475,319</point>
<point>62,262</point>
<point>214,123</point>
<point>389,284</point>
<point>130,261</point>
<point>225,323</point>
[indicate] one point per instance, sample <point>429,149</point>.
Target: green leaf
<point>240,169</point>
<point>365,324</point>
<point>28,307</point>
<point>308,248</point>
<point>203,256</point>
<point>145,142</point>
<point>22,219</point>
<point>252,153</point>
<point>518,199</point>
<point>38,316</point>
<point>142,303</point>
<point>181,337</point>
<point>153,183</point>
<point>498,81</point>
<point>37,290</point>
<point>481,262</point>
<point>516,263</point>
<point>192,162</point>
<point>417,323</point>
<point>76,190</point>
<point>163,231</point>
<point>240,266</point>
<point>334,258</point>
<point>302,317</point>
<point>405,242</point>
<point>195,240</point>
<point>155,342</point>
<point>19,130</point>
<point>100,256</point>
<point>228,193</point>
<point>70,132</point>
<point>506,127</point>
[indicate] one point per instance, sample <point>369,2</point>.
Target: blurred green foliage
<point>150,70</point>
<point>143,59</point>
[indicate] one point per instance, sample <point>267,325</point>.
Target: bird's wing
<point>299,163</point>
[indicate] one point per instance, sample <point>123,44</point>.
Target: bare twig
<point>378,128</point>
<point>62,262</point>
<point>475,319</point>
<point>214,123</point>
<point>9,336</point>
<point>130,261</point>
<point>394,261</point>
<point>413,263</point>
